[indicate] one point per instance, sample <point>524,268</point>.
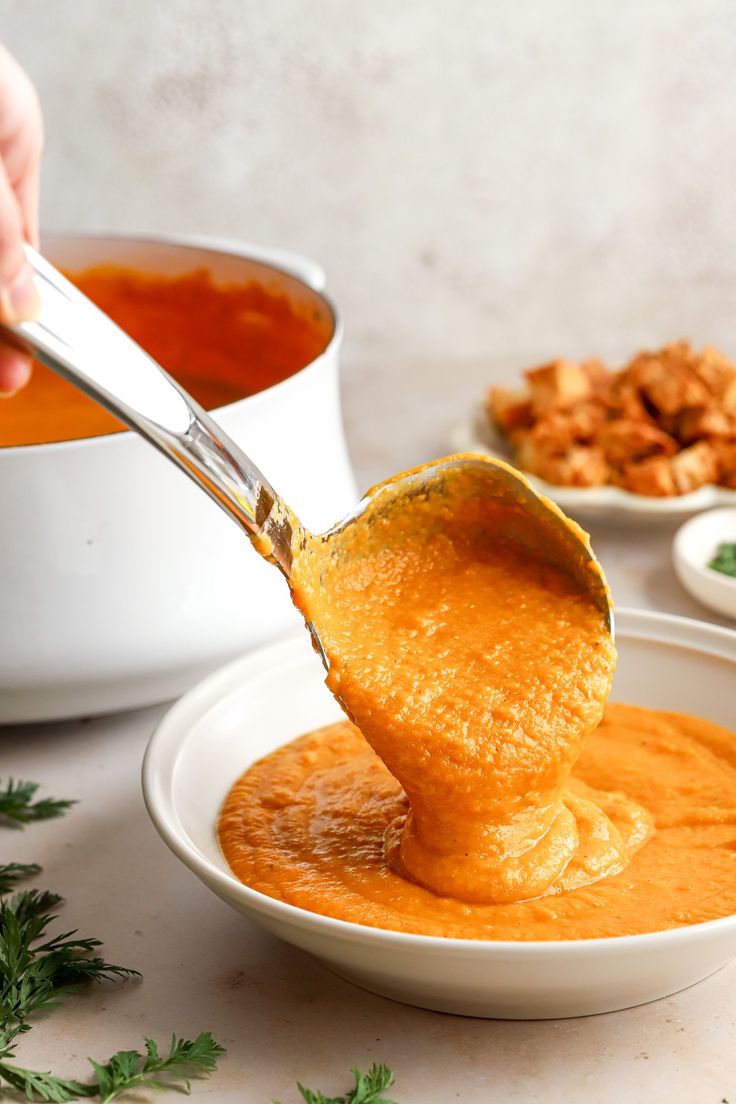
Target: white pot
<point>121,583</point>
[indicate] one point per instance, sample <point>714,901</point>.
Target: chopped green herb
<point>42,1086</point>
<point>368,1089</point>
<point>37,972</point>
<point>18,807</point>
<point>129,1069</point>
<point>725,559</point>
<point>12,873</point>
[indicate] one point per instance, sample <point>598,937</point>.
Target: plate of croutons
<point>654,438</point>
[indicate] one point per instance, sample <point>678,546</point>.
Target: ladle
<point>77,340</point>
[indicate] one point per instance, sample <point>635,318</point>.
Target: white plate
<point>694,546</point>
<point>591,503</point>
<point>259,702</point>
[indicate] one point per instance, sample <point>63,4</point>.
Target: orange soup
<point>475,669</point>
<point>309,825</point>
<point>221,342</point>
<point>482,788</point>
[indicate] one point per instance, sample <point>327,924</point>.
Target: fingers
<point>21,144</point>
<point>18,296</point>
<point>23,172</point>
<point>15,370</point>
<point>28,187</point>
<point>27,193</point>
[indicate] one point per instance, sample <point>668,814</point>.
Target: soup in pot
<point>221,342</point>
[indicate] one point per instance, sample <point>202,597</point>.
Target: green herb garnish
<point>129,1069</point>
<point>725,559</point>
<point>37,972</point>
<point>12,873</point>
<point>368,1089</point>
<point>17,805</point>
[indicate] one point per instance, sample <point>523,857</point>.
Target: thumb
<point>18,295</point>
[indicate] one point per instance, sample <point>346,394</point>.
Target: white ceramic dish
<point>592,503</point>
<point>121,584</point>
<point>695,544</point>
<point>257,703</point>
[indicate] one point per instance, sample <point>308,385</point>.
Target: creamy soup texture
<point>308,826</point>
<point>480,791</point>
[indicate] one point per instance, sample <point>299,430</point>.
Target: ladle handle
<point>77,340</point>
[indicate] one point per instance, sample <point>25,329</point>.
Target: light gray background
<point>486,183</point>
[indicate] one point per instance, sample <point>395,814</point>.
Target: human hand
<point>21,143</point>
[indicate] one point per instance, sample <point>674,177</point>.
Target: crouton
<point>579,466</point>
<point>597,373</point>
<point>663,425</point>
<point>586,467</point>
<point>626,440</point>
<point>557,385</point>
<point>725,452</point>
<point>694,467</point>
<point>653,477</point>
<point>585,419</point>
<point>708,421</point>
<point>624,400</point>
<point>510,409</point>
<point>667,384</point>
<point>560,430</point>
<point>718,375</point>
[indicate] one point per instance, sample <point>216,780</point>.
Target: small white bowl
<point>258,703</point>
<point>694,546</point>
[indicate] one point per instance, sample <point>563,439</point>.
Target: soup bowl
<point>120,582</point>
<point>258,703</point>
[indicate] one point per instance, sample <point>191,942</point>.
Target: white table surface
<point>280,1014</point>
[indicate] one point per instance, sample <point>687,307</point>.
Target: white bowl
<point>592,503</point>
<point>695,544</point>
<point>258,703</point>
<point>122,584</point>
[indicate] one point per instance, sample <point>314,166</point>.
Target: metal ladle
<point>79,342</point>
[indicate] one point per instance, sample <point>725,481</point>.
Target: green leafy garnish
<point>129,1069</point>
<point>18,807</point>
<point>38,972</point>
<point>12,873</point>
<point>725,559</point>
<point>368,1089</point>
<point>42,1086</point>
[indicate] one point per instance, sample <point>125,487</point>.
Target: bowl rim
<point>231,248</point>
<point>172,731</point>
<point>683,554</point>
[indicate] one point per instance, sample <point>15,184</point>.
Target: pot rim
<point>188,242</point>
